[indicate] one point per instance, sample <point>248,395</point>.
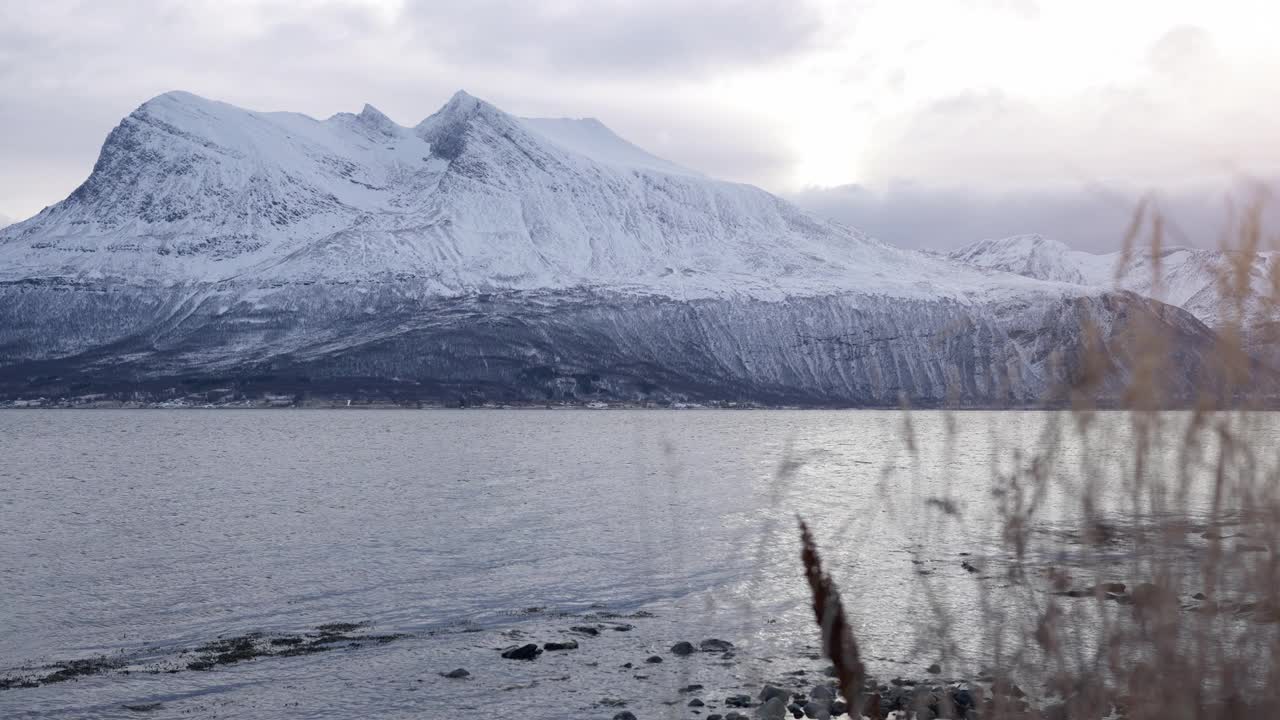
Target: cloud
<point>1191,117</point>
<point>987,162</point>
<point>1087,218</point>
<point>605,40</point>
<point>1181,51</point>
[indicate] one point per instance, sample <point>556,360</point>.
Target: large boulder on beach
<point>522,652</point>
<point>773,709</point>
<point>683,648</point>
<point>963,699</point>
<point>814,709</point>
<point>716,645</point>
<point>770,692</point>
<point>822,693</point>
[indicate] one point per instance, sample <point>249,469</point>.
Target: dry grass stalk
<point>1139,552</point>
<point>1196,635</point>
<point>838,642</point>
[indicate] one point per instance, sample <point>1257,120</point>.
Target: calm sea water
<point>138,534</point>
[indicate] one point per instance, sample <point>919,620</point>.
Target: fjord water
<point>141,533</point>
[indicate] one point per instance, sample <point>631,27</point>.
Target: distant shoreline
<point>381,406</point>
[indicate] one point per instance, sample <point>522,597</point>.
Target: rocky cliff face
<point>480,256</point>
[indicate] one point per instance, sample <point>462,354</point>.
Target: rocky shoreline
<point>805,691</point>
<point>804,694</point>
<point>222,651</point>
<point>623,666</point>
<point>632,666</point>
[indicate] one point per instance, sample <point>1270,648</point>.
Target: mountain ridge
<point>475,255</point>
<point>320,186</point>
<point>1194,279</point>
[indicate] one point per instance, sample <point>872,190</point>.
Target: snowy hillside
<point>591,138</point>
<point>1189,278</point>
<point>482,255</point>
<point>471,199</point>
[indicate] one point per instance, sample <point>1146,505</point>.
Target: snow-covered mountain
<point>470,200</point>
<point>1198,281</point>
<point>482,255</point>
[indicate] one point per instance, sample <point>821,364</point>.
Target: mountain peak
<point>177,96</point>
<point>463,96</point>
<point>176,100</point>
<point>1031,255</point>
<point>463,105</point>
<point>446,128</point>
<point>1035,240</point>
<point>369,112</point>
<point>373,118</point>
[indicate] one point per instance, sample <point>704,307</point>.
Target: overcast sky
<point>925,123</point>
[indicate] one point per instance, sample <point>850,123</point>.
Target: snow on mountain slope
<point>187,189</point>
<point>472,199</point>
<point>480,255</point>
<point>1028,255</point>
<point>591,138</point>
<point>1189,278</point>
